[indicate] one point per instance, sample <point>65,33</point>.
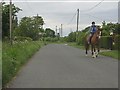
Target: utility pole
<point>77,23</point>
<point>56,31</point>
<point>10,21</point>
<point>37,23</point>
<point>61,30</point>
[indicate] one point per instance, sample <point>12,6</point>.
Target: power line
<point>98,18</point>
<point>72,18</point>
<point>27,3</point>
<point>88,10</point>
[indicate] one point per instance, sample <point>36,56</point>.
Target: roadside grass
<point>113,53</point>
<point>0,64</point>
<point>13,57</point>
<point>75,45</point>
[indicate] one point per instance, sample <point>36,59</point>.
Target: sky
<point>64,12</point>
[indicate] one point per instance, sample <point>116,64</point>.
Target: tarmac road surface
<point>62,66</point>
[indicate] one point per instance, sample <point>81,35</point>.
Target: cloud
<point>56,13</point>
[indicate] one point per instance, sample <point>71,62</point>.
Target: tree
<point>5,18</point>
<point>103,23</point>
<point>49,32</point>
<point>30,27</point>
<point>72,37</point>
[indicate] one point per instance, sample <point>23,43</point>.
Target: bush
<point>20,38</point>
<point>80,39</point>
<point>71,37</point>
<point>117,42</point>
<point>49,39</point>
<point>107,42</point>
<point>63,39</point>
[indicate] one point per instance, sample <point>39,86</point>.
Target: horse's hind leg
<point>98,50</point>
<point>86,50</point>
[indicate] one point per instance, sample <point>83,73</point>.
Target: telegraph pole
<point>77,23</point>
<point>10,21</point>
<point>56,30</point>
<point>37,23</point>
<point>61,30</point>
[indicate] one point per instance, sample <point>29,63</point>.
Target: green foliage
<point>117,42</point>
<point>81,38</point>
<point>19,38</point>
<point>105,42</point>
<point>76,45</point>
<point>49,32</point>
<point>5,18</point>
<point>30,27</point>
<point>113,54</point>
<point>63,39</point>
<point>50,39</point>
<point>13,57</point>
<point>117,29</point>
<point>106,28</point>
<point>71,37</point>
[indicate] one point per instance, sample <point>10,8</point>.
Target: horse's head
<point>99,32</point>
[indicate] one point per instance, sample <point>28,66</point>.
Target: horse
<point>94,43</point>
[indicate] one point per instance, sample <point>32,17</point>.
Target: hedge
<point>50,39</point>
<point>117,42</point>
<point>107,42</point>
<point>20,38</point>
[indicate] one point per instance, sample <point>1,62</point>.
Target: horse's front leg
<point>86,52</point>
<point>92,49</point>
<point>98,50</point>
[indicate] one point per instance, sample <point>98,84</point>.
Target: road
<point>62,66</point>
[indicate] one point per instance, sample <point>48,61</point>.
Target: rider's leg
<point>89,40</point>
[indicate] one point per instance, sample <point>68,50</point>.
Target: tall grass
<point>13,57</point>
<point>0,64</point>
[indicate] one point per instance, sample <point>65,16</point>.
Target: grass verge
<point>13,57</point>
<point>113,54</point>
<point>75,45</point>
<point>0,64</point>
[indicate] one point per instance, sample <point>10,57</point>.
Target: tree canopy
<point>30,27</point>
<point>5,18</point>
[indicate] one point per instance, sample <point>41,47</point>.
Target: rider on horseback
<point>93,29</point>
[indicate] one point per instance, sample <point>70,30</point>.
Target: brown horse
<point>94,43</point>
